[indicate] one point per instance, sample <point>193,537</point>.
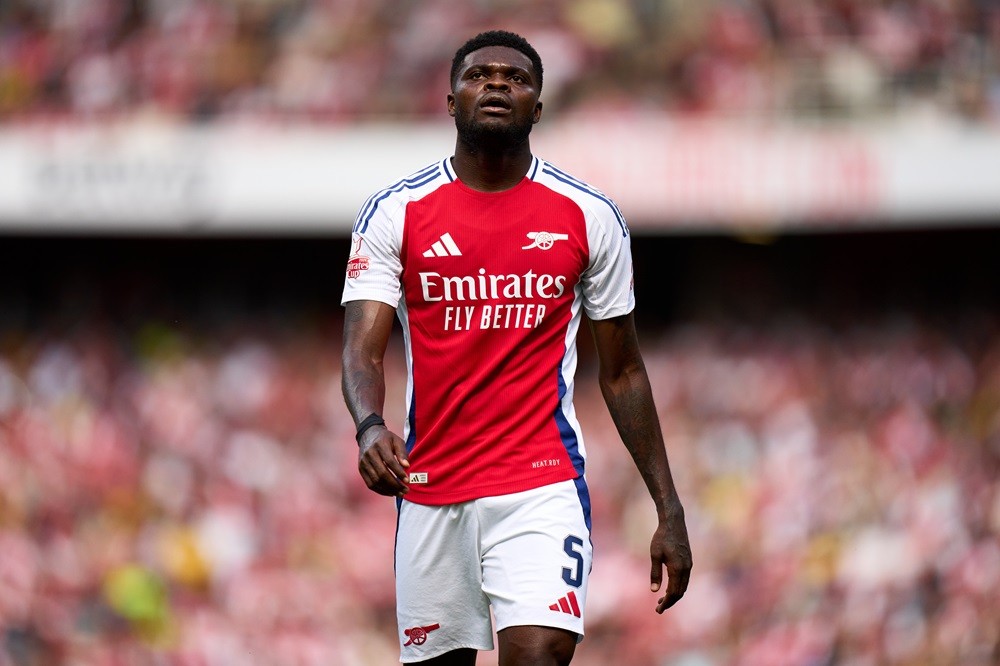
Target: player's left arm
<point>627,392</point>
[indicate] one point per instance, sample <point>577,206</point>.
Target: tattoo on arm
<point>354,313</point>
<point>628,394</point>
<point>364,392</point>
<point>630,402</point>
<point>363,379</point>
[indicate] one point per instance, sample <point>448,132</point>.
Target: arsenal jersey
<point>489,289</point>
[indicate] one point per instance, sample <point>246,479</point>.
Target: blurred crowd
<point>355,60</point>
<point>180,498</point>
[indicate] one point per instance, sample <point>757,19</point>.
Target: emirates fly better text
<point>529,286</point>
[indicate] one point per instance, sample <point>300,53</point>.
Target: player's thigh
<point>537,558</point>
<point>462,657</point>
<point>440,605</point>
<point>520,645</point>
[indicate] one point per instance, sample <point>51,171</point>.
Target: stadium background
<point>814,191</point>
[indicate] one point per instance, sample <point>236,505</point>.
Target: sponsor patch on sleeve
<point>357,262</point>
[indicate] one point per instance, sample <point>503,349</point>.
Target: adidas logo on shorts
<point>567,604</point>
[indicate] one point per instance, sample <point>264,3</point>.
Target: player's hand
<point>382,462</point>
<point>670,548</point>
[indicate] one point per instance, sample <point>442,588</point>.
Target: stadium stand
<point>342,61</point>
<point>178,482</point>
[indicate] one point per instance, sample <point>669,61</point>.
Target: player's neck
<point>489,169</point>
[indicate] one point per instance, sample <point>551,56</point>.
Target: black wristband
<point>368,422</point>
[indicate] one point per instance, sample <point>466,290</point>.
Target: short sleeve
<point>374,266</point>
<point>607,283</point>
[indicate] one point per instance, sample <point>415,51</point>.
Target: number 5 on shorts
<point>573,576</point>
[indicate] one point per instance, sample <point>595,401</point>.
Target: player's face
<point>495,96</point>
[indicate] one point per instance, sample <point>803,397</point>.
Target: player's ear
<point>538,113</point>
<point>451,104</point>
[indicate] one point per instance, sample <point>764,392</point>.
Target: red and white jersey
<point>489,289</point>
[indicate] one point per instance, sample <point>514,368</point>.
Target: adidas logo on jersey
<point>445,247</point>
<point>567,604</point>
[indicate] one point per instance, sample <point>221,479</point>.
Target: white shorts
<point>527,554</point>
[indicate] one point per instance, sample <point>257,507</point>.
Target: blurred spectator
<point>192,498</point>
<point>348,61</point>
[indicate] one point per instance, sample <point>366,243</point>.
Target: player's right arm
<point>382,454</point>
<point>372,291</point>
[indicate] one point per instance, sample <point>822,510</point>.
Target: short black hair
<point>497,38</point>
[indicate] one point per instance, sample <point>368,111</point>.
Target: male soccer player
<point>487,258</point>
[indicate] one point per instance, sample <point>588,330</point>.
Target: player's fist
<point>382,461</point>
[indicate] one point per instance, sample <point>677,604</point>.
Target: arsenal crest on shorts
<point>418,635</point>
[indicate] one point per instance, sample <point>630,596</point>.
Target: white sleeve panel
<point>607,282</point>
<point>374,267</point>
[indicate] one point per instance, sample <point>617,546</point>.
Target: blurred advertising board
<point>666,175</point>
